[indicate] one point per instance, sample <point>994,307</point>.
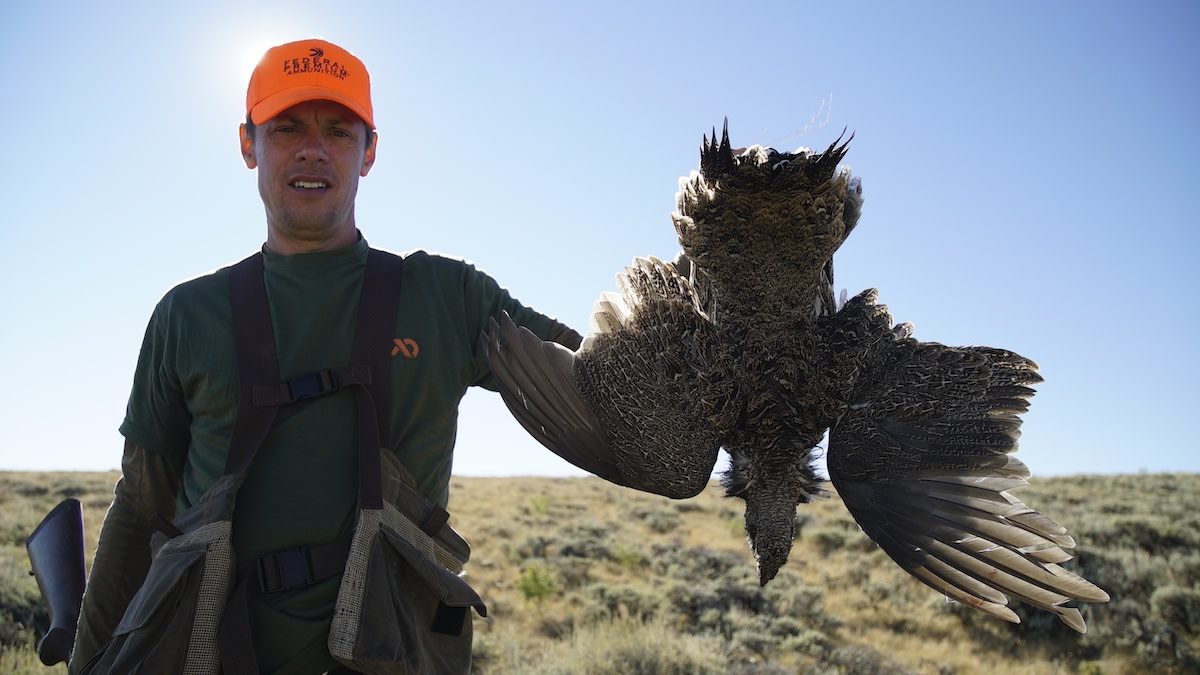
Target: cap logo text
<point>315,63</point>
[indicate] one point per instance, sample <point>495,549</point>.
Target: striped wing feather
<point>929,480</point>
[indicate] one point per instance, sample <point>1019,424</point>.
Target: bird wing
<point>922,459</point>
<point>627,405</point>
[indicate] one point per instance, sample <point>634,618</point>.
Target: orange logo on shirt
<point>406,346</point>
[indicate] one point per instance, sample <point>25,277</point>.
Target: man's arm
<point>149,485</point>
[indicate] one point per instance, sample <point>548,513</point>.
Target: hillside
<point>581,576</point>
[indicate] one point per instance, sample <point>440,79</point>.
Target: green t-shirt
<point>301,488</point>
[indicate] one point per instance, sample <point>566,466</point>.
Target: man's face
<point>309,159</point>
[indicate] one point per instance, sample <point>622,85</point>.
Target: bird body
<point>739,344</point>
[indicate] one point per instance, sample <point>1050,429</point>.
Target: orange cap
<point>308,70</point>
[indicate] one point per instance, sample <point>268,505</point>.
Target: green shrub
<point>658,518</point>
<point>588,539</point>
<point>827,539</point>
<point>573,573</point>
<point>631,648</point>
<point>811,643</point>
<point>863,660</point>
<point>494,654</point>
<point>536,583</point>
<point>1179,607</point>
<point>539,505</point>
<point>629,556</point>
<point>21,610</point>
<point>627,601</point>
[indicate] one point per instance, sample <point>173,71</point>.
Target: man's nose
<point>312,147</point>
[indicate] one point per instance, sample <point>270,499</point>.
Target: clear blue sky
<point>1029,168</point>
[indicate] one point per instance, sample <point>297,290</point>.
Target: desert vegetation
<point>581,576</point>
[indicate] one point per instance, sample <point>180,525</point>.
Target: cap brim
<point>271,106</point>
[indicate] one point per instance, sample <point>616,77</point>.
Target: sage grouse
<point>740,344</point>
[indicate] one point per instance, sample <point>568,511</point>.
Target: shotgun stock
<point>56,555</point>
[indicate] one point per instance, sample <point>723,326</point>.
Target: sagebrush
<point>585,577</point>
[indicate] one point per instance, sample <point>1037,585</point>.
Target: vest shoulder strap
<point>260,389</point>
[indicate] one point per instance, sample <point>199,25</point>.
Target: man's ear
<point>369,156</point>
<point>247,142</point>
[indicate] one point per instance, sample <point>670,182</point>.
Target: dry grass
<point>584,577</point>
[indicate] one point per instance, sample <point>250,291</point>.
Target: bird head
<point>771,491</point>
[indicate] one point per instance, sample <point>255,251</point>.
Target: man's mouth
<point>309,184</point>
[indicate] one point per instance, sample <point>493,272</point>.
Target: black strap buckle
<point>312,385</point>
<point>285,570</point>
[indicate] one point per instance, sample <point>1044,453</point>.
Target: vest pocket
<point>170,624</point>
<point>413,615</point>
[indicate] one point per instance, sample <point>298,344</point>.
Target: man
<point>310,135</point>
